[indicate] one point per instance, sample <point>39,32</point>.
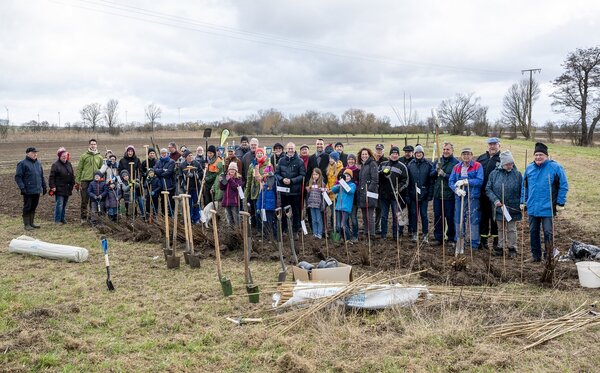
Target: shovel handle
<point>217,245</point>
<point>278,213</point>
<point>288,211</point>
<point>106,262</point>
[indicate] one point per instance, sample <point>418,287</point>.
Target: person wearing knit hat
<point>352,167</point>
<point>394,149</point>
<point>232,158</point>
<point>164,169</point>
<point>419,191</point>
<point>211,151</point>
<point>97,192</point>
<point>334,169</point>
<point>339,147</point>
<point>191,175</point>
<point>393,184</point>
<point>504,191</point>
<point>545,189</point>
<point>419,149</point>
<point>126,163</point>
<point>229,184</point>
<point>490,160</point>
<point>61,183</point>
<point>232,166</point>
<point>343,206</point>
<point>214,168</point>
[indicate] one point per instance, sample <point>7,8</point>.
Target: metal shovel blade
<point>194,260</point>
<point>226,286</point>
<point>253,293</point>
<point>109,283</point>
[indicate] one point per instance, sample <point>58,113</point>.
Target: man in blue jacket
<point>544,192</point>
<point>31,182</point>
<point>164,169</point>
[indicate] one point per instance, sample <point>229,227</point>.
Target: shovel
<point>167,250</point>
<point>172,260</point>
<point>283,274</point>
<point>288,214</point>
<point>253,292</point>
<point>109,283</point>
<point>335,235</point>
<point>193,258</point>
<point>225,282</point>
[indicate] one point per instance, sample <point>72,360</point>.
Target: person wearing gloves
<point>543,177</point>
<point>110,169</point>
<point>191,179</point>
<point>290,173</point>
<point>467,181</point>
<point>334,170</point>
<point>443,194</point>
<point>229,184</point>
<point>214,168</point>
<point>30,180</point>
<point>490,160</point>
<point>354,215</point>
<point>164,169</point>
<point>153,189</point>
<point>368,188</point>
<point>504,189</point>
<point>344,203</point>
<point>61,182</point>
<point>128,186</point>
<point>88,164</point>
<point>419,189</point>
<point>393,184</point>
<point>97,192</point>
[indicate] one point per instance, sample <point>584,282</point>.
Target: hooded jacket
<point>474,175</point>
<point>345,199</point>
<point>165,170</point>
<point>137,165</point>
<point>420,174</point>
<point>89,162</point>
<point>511,183</point>
<point>231,196</point>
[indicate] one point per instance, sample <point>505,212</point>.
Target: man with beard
<point>408,154</point>
<point>243,148</point>
<point>318,160</point>
<point>88,164</point>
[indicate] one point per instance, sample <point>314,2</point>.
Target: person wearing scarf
<point>62,182</point>
<point>255,175</point>
<point>89,162</point>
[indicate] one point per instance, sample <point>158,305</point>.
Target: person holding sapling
<point>419,193</point>
<point>129,186</point>
<point>504,191</point>
<point>393,184</point>
<point>443,196</point>
<point>334,171</point>
<point>344,203</point>
<point>229,184</point>
<point>315,187</point>
<point>191,174</point>
<point>213,170</point>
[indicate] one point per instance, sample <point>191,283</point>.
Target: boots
<point>27,222</point>
<point>31,218</point>
<point>498,251</point>
<point>512,253</point>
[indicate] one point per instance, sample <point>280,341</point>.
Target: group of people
<point>474,199</point>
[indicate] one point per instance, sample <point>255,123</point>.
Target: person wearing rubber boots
<point>30,180</point>
<point>490,160</point>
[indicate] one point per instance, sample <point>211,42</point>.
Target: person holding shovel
<point>164,169</point>
<point>466,180</point>
<point>419,193</point>
<point>153,187</point>
<point>229,184</point>
<point>393,184</point>
<point>214,168</point>
<point>441,171</point>
<point>504,190</point>
<point>490,160</point>
<point>125,163</point>
<point>255,176</point>
<point>29,177</point>
<point>191,174</point>
<point>344,203</point>
<point>543,177</point>
<point>97,192</point>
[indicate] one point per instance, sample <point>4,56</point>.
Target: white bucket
<point>589,274</point>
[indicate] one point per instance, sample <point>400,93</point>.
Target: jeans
<point>317,221</point>
<point>534,234</point>
<point>343,222</point>
<point>112,213</point>
<point>473,219</point>
<point>413,217</point>
<point>195,207</point>
<point>384,207</point>
<point>354,219</point>
<point>59,208</point>
<point>233,215</point>
<point>438,227</point>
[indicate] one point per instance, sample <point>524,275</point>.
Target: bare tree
<point>481,125</point>
<point>515,106</point>
<point>111,115</point>
<point>408,118</point>
<point>458,112</point>
<point>153,114</point>
<point>578,91</point>
<point>92,114</point>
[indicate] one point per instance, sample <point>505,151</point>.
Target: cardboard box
<point>342,273</point>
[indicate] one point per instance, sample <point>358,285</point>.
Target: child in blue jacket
<point>343,207</point>
<point>267,200</point>
<point>97,192</point>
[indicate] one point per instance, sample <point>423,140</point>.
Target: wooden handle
<point>165,203</point>
<point>217,246</point>
<point>106,260</point>
<point>176,198</point>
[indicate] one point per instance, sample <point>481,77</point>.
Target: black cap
<point>186,153</point>
<point>212,148</point>
<point>31,149</point>
<point>151,150</point>
<point>277,145</point>
<point>540,148</point>
<point>339,143</point>
<point>408,148</point>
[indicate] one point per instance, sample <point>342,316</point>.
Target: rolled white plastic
<point>31,246</point>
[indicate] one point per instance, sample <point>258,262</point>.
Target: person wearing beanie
<point>257,173</point>
<point>343,206</point>
<point>149,163</point>
<point>393,188</point>
<point>278,153</point>
<point>244,147</point>
<point>339,147</point>
<point>214,168</point>
<point>490,160</point>
<point>89,162</point>
<point>61,183</point>
<point>191,180</point>
<point>420,192</point>
<point>543,177</point>
<point>229,184</point>
<point>334,172</point>
<point>97,192</point>
<point>153,187</point>
<point>466,180</point>
<point>29,177</point>
<point>352,167</point>
<point>443,196</point>
<point>164,169</point>
<point>504,189</point>
<point>135,169</point>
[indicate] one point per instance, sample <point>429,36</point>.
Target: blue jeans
<point>384,206</point>
<point>343,222</point>
<point>354,219</point>
<point>195,207</point>
<point>534,234</point>
<point>60,208</point>
<point>474,219</point>
<point>438,228</point>
<point>412,216</point>
<point>317,221</point>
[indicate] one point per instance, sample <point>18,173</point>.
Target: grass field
<point>58,316</point>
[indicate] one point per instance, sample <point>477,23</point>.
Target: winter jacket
<point>165,170</point>
<point>267,198</point>
<point>110,171</point>
<point>276,158</point>
<point>474,175</point>
<point>137,166</point>
<point>241,152</point>
<point>125,190</point>
<point>355,172</point>
<point>97,188</point>
<point>318,161</point>
<point>201,161</point>
<point>406,161</point>
<point>215,168</point>
<point>175,156</point>
<point>368,182</point>
<point>194,176</point>
<point>420,174</point>
<point>489,164</point>
<point>62,178</point>
<point>344,158</point>
<point>291,168</point>
<point>345,199</point>
<point>237,161</point>
<point>151,163</point>
<point>153,185</point>
<point>246,159</point>
<point>381,159</point>
<point>30,177</point>
<point>231,196</point>
<point>536,184</point>
<point>252,186</point>
<point>333,173</point>
<point>314,196</point>
<point>446,164</point>
<point>112,197</point>
<point>396,177</point>
<point>89,163</point>
<point>512,182</point>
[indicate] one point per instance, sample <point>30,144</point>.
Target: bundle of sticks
<point>544,330</point>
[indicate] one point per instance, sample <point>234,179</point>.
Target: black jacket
<point>344,158</point>
<point>368,181</point>
<point>291,168</point>
<point>420,173</point>
<point>397,176</point>
<point>318,162</point>
<point>30,177</point>
<point>488,164</point>
<point>62,178</point>
<point>137,166</point>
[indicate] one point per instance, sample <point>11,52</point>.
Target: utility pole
<point>38,118</point>
<point>529,98</point>
<point>179,115</point>
<point>59,118</point>
<point>7,116</point>
<point>125,117</point>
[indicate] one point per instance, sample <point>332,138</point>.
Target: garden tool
<point>335,235</point>
<point>167,249</point>
<point>283,274</point>
<point>109,283</point>
<point>253,292</point>
<point>173,261</point>
<point>460,244</point>
<point>193,257</point>
<point>225,282</point>
<point>288,214</point>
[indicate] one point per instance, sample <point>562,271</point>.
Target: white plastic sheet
<point>31,246</point>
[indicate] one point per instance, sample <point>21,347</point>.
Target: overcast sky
<point>218,59</point>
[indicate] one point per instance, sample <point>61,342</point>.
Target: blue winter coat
<point>270,199</point>
<point>112,198</point>
<point>30,176</point>
<point>419,171</point>
<point>345,200</point>
<point>97,188</point>
<point>474,175</point>
<point>512,191</point>
<point>165,170</point>
<point>535,191</point>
